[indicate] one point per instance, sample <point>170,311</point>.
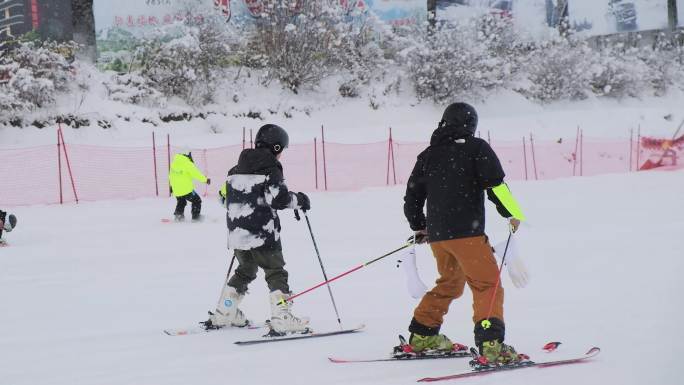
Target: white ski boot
<point>227,312</point>
<point>282,320</point>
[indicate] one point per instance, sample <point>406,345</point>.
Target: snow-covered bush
<point>559,69</point>
<point>134,89</point>
<point>618,72</point>
<point>463,61</point>
<point>665,63</point>
<point>363,53</point>
<point>187,66</point>
<point>301,43</point>
<point>32,74</point>
<point>292,41</point>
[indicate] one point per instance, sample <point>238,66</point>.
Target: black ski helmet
<point>460,117</point>
<point>272,137</point>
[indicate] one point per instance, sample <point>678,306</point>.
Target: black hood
<point>446,134</point>
<point>256,161</point>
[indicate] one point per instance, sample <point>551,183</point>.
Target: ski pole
<point>486,324</point>
<point>230,267</point>
<point>325,276</point>
<point>359,267</point>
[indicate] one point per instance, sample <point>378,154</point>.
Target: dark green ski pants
<point>270,260</point>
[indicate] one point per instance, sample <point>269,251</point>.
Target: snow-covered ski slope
<point>86,290</point>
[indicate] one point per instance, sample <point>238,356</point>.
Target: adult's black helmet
<point>461,117</point>
<point>272,137</point>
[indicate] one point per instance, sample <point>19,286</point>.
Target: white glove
<point>414,284</point>
<point>514,263</point>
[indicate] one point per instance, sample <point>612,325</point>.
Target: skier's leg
<point>196,201</point>
<point>273,263</point>
<point>479,264</point>
<point>180,207</point>
<point>477,260</point>
<point>227,311</point>
<point>246,271</point>
<point>429,315</point>
<point>282,319</point>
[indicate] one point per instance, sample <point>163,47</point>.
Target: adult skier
<point>181,174</point>
<point>7,223</point>
<point>254,192</point>
<point>452,175</point>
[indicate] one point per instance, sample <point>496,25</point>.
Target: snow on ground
<point>87,289</point>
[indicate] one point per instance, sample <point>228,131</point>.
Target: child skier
<point>7,223</point>
<point>255,189</point>
<point>452,175</point>
<point>181,174</point>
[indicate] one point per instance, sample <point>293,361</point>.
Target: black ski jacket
<point>255,191</point>
<point>452,175</point>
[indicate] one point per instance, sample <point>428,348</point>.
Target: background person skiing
<point>452,175</point>
<point>255,189</point>
<point>181,174</point>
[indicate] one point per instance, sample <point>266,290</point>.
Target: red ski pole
<point>359,267</point>
<point>486,324</point>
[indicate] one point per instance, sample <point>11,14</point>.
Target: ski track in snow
<point>87,289</point>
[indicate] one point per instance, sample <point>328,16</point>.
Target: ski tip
<point>337,360</point>
<point>428,379</point>
<point>176,332</point>
<point>593,351</point>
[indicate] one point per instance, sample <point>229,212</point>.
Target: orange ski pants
<point>460,261</point>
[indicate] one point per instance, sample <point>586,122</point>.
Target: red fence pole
<point>206,171</point>
<point>316,161</point>
<point>325,166</point>
<point>59,165</point>
<point>394,168</point>
<point>525,156</point>
<point>154,157</point>
<point>631,148</point>
<point>638,149</point>
<point>389,154</point>
<point>168,158</point>
<point>244,137</point>
<point>534,160</point>
<point>575,154</point>
<point>581,152</point>
<point>66,157</point>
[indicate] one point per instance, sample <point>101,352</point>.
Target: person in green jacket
<point>181,174</point>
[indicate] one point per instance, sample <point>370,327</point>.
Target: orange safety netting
<point>67,173</point>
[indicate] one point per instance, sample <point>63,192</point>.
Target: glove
<point>303,202</point>
<point>222,200</point>
<point>514,223</point>
<point>419,237</point>
<point>208,181</point>
<point>10,223</point>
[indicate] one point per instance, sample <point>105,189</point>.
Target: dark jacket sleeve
<point>490,174</point>
<point>281,197</point>
<point>488,170</point>
<point>500,208</point>
<point>416,193</point>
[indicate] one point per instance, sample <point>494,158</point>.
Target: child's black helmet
<point>272,137</point>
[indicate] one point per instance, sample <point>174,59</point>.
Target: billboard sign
<point>49,18</point>
<point>604,17</point>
